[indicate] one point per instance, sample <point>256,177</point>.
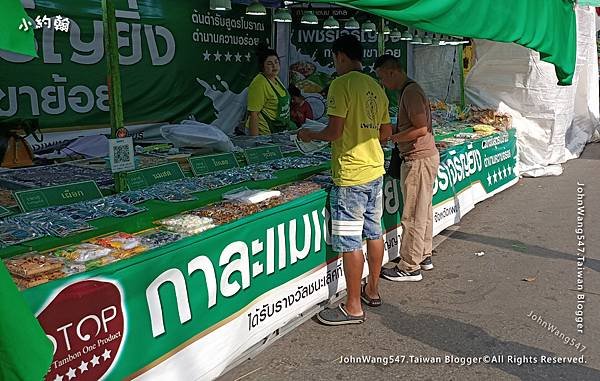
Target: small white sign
<point>121,154</point>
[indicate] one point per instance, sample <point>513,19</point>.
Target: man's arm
<point>332,132</point>
<point>385,132</point>
<point>409,135</point>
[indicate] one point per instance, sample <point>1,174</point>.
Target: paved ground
<point>475,306</point>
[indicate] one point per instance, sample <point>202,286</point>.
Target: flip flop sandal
<point>371,302</point>
<point>339,316</point>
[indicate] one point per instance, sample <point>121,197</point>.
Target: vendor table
<point>190,309</point>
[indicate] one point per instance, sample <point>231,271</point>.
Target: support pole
<point>113,78</point>
<point>462,76</point>
<point>381,38</point>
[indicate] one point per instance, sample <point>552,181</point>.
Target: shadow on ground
<point>521,247</point>
<point>466,340</point>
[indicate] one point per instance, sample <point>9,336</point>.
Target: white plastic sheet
<point>553,123</point>
<point>199,135</point>
<point>437,70</point>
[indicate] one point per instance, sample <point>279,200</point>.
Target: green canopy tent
<point>547,26</point>
<point>16,34</point>
<point>22,340</point>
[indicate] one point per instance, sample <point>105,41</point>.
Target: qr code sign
<point>122,153</point>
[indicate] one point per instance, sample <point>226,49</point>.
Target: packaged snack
<point>32,264</point>
<point>71,268</point>
<point>187,224</point>
<point>124,244</point>
<point>36,280</point>
<point>156,238</point>
<point>13,232</point>
<point>83,252</point>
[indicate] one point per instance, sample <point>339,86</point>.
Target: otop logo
<point>86,324</point>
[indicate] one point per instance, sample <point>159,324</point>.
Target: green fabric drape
<point>12,38</point>
<point>547,26</point>
<point>25,351</point>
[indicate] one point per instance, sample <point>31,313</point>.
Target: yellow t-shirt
<point>357,157</point>
<point>261,97</point>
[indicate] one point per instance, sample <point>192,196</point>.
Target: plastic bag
<point>198,135</point>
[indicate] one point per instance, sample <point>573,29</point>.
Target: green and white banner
<point>176,61</point>
<point>189,309</point>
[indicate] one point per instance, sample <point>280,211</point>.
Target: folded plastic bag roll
<point>197,135</point>
<point>313,125</point>
<point>312,146</point>
<point>249,196</point>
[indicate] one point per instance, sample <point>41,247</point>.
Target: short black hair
<point>387,61</point>
<point>294,91</point>
<point>262,53</point>
<point>350,46</point>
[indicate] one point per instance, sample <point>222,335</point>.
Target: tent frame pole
<point>113,78</point>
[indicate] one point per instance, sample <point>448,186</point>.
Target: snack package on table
<point>83,252</point>
<point>187,224</point>
<point>156,238</point>
<point>32,264</point>
<point>124,244</point>
<point>15,232</point>
<point>36,280</point>
<point>32,269</point>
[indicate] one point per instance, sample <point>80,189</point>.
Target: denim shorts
<point>356,213</point>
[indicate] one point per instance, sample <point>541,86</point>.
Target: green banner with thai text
<point>176,60</point>
<point>165,314</point>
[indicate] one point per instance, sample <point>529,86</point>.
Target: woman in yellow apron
<point>268,100</point>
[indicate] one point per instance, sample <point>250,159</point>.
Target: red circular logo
<point>86,324</point>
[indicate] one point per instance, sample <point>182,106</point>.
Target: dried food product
<point>24,283</point>
<point>6,198</point>
<point>15,232</point>
<point>124,244</point>
<point>156,238</point>
<point>187,224</point>
<point>83,252</point>
<point>32,264</point>
<point>44,176</point>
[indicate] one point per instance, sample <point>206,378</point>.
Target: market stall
<point>262,264</point>
<point>182,274</point>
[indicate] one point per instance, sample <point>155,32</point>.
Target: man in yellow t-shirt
<point>358,120</point>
